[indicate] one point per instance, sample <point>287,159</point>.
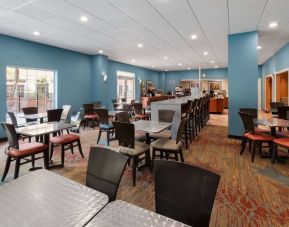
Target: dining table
<point>272,123</point>
<point>123,214</point>
<point>150,127</point>
<point>43,198</point>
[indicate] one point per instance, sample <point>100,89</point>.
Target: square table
<point>43,198</point>
<point>150,127</point>
<point>272,123</point>
<point>123,214</point>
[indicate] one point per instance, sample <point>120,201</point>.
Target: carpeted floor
<point>249,194</point>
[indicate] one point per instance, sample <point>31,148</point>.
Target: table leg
<point>147,138</point>
<point>273,131</point>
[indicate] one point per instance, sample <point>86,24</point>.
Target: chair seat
<point>282,134</point>
<point>282,142</point>
<point>67,138</point>
<point>90,116</point>
<point>167,144</point>
<point>142,116</point>
<point>164,134</point>
<point>27,149</point>
<point>259,136</point>
<point>139,148</point>
<point>106,126</point>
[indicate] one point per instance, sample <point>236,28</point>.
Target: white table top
<point>150,126</point>
<point>123,214</point>
<point>42,198</point>
<point>33,116</point>
<point>272,122</point>
<point>112,113</point>
<point>176,101</point>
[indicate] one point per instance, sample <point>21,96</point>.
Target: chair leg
<point>99,135</point>
<point>62,155</point>
<point>17,165</point>
<point>176,157</point>
<point>71,148</point>
<point>253,151</point>
<point>133,166</point>
<point>148,159</point>
<point>80,148</point>
<point>182,156</point>
<point>50,150</point>
<point>33,160</point>
<point>7,166</point>
<point>107,137</point>
<point>153,157</point>
<point>243,145</point>
<point>274,153</point>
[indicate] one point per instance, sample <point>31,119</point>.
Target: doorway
<point>282,87</point>
<point>268,89</point>
<point>125,85</point>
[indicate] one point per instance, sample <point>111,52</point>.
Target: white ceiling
<point>163,27</point>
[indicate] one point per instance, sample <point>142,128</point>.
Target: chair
<point>184,192</point>
<point>28,111</point>
<point>14,120</point>
<point>96,104</point>
<point>256,138</point>
<point>17,152</point>
<point>122,117</point>
<point>135,150</point>
<point>279,142</point>
<point>65,112</point>
<point>127,108</point>
<point>89,115</point>
<point>164,116</point>
<point>54,115</point>
<point>274,106</point>
<point>138,111</point>
<point>104,170</point>
<point>252,111</point>
<point>170,146</point>
<point>75,119</point>
<point>115,104</point>
<point>123,99</point>
<point>104,125</point>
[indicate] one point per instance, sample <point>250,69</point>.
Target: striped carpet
<point>249,194</point>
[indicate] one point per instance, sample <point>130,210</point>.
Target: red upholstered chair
<point>280,142</point>
<point>66,141</point>
<point>138,111</point>
<point>17,152</point>
<point>89,115</point>
<point>250,135</point>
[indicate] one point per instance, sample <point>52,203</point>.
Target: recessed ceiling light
<point>259,47</point>
<point>212,62</point>
<point>180,64</point>
<point>133,61</point>
<point>205,53</point>
<point>140,45</point>
<point>165,57</point>
<point>216,67</point>
<point>153,66</point>
<point>166,70</point>
<point>100,51</point>
<point>273,24</point>
<point>84,19</point>
<point>36,33</point>
<point>194,37</point>
<point>189,68</point>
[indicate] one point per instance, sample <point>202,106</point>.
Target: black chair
<point>18,152</point>
<point>104,125</point>
<point>274,106</point>
<point>251,111</point>
<point>104,170</point>
<point>283,112</point>
<point>115,104</point>
<point>184,192</point>
<point>96,104</point>
<point>138,112</point>
<point>89,115</point>
<point>14,120</point>
<point>28,111</point>
<point>123,99</point>
<point>54,115</point>
<point>122,117</point>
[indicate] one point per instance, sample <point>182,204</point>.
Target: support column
<point>242,76</point>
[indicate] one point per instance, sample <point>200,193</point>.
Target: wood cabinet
<point>216,105</point>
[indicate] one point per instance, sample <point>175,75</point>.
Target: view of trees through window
<point>29,88</point>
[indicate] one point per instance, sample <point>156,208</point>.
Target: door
<point>125,86</point>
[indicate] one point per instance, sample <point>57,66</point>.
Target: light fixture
<point>104,76</point>
<point>133,61</point>
<point>216,67</point>
<point>166,70</point>
<point>205,53</point>
<point>84,18</point>
<point>273,24</point>
<point>153,66</point>
<point>100,51</point>
<point>188,68</point>
<point>259,47</point>
<point>204,75</point>
<point>140,45</point>
<point>180,64</point>
<point>36,33</point>
<point>165,57</point>
<point>193,37</point>
<point>212,62</point>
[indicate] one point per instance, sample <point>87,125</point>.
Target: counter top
<point>176,101</point>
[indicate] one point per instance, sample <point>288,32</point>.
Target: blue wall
<point>174,77</point>
<point>243,76</point>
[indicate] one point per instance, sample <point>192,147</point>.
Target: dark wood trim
<point>235,137</point>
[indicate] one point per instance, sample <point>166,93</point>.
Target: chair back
<point>65,112</point>
<point>274,106</point>
<point>138,108</point>
<point>11,134</point>
<point>13,119</point>
<point>166,115</point>
<point>127,107</point>
<point>96,104</point>
<point>28,111</point>
<point>283,112</point>
<point>54,115</point>
<point>248,122</point>
<point>191,202</point>
<point>181,129</point>
<point>76,118</point>
<point>252,111</point>
<point>114,103</point>
<point>123,99</point>
<point>122,117</point>
<point>104,170</point>
<point>88,109</point>
<point>102,116</point>
<point>124,133</point>
<point>132,101</point>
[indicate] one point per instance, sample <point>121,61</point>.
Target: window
<point>29,87</point>
<point>125,85</point>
